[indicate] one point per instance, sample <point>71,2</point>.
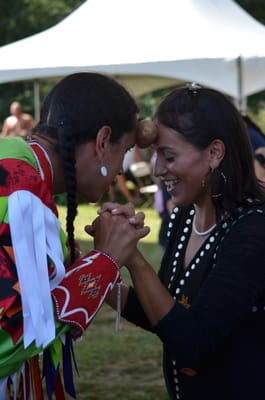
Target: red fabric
<point>81,293</point>
<point>22,176</point>
<point>10,302</point>
<point>59,392</point>
<point>45,165</point>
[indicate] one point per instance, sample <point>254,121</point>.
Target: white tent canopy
<point>148,44</point>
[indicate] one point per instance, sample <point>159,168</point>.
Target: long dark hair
<point>202,115</point>
<point>73,112</point>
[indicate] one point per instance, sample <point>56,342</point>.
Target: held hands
<point>117,230</point>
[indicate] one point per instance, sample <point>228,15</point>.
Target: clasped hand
<point>117,230</point>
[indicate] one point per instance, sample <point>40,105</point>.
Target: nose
<point>121,171</point>
<point>159,168</point>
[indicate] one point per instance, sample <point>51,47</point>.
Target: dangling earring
<point>203,182</point>
<point>214,196</point>
<point>103,170</point>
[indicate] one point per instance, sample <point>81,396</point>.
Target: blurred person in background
<point>132,195</point>
<point>255,134</point>
<point>18,123</point>
<point>259,164</point>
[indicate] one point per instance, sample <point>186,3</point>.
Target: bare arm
<point>5,129</point>
<point>111,234</point>
<point>111,299</point>
<point>153,296</point>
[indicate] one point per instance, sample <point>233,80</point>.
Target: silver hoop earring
<point>103,171</point>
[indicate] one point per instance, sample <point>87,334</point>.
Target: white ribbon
<point>3,388</point>
<point>35,234</point>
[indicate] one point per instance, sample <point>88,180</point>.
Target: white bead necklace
<point>204,233</point>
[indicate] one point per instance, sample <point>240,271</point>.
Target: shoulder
<point>247,228</point>
<point>27,117</point>
<point>11,120</point>
<point>16,148</point>
<point>247,216</point>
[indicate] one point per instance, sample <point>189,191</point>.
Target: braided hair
<point>72,114</point>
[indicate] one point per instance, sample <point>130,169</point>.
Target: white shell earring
<point>104,171</point>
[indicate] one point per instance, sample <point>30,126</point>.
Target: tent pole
<point>36,99</point>
<point>242,100</point>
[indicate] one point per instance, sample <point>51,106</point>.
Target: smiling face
<point>182,167</point>
<point>91,184</point>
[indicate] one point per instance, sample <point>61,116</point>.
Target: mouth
<point>171,184</point>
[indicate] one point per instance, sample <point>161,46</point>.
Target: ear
<point>217,153</point>
<point>102,141</point>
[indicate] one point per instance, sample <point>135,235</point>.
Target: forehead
<point>15,106</point>
<point>168,139</point>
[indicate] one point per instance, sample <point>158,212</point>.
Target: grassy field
<point>124,365</point>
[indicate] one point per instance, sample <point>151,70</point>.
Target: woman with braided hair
<point>88,122</point>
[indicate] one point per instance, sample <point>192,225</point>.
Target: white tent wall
<point>148,44</point>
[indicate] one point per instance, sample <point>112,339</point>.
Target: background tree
<point>20,19</point>
<point>255,8</point>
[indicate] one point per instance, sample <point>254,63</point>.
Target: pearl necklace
<point>195,230</point>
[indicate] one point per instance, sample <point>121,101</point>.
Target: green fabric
<point>3,210</point>
<point>15,147</point>
<point>13,355</point>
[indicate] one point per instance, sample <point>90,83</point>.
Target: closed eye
<point>170,159</point>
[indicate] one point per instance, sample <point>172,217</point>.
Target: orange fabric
<point>36,378</point>
<point>10,252</point>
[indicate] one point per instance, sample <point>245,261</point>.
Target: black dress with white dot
<point>214,336</point>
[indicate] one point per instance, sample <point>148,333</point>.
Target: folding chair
<point>142,172</point>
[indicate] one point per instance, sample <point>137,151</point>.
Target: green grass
<point>124,365</point>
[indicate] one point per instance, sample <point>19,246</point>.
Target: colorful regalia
<point>42,304</point>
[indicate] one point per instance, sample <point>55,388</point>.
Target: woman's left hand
<point>116,235</point>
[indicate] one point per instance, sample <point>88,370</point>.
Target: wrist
<point>135,260</point>
<point>109,257</point>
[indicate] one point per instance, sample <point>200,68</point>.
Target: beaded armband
<point>80,295</point>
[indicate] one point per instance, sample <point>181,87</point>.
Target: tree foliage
<point>23,18</point>
<point>20,19</point>
<point>255,8</point>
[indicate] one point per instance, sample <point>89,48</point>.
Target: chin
<point>92,195</point>
<point>180,202</point>
<point>88,198</point>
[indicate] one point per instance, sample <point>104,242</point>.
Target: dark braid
<point>72,114</point>
<point>67,152</point>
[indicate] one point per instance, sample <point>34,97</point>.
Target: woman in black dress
<point>207,304</point>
